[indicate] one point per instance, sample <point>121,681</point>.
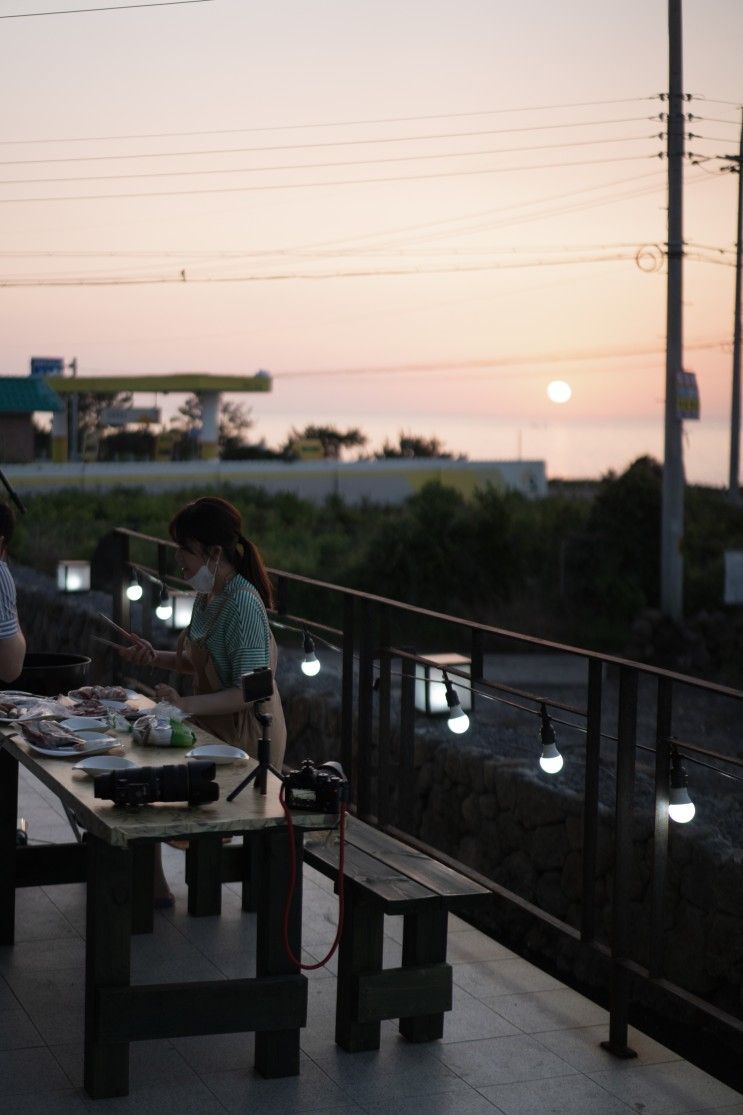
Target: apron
<point>241,729</point>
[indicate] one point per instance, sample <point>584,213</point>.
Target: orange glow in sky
<point>415,215</point>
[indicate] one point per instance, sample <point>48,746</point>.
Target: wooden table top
<point>120,826</point>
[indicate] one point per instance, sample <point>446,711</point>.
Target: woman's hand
<point>169,694</point>
<point>141,652</point>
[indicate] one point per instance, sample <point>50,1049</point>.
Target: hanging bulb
<point>311,663</point>
<point>551,761</point>
<point>680,806</point>
<point>134,589</point>
<point>458,721</point>
<point>164,609</point>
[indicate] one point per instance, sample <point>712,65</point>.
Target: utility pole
<point>733,482</point>
<point>74,435</point>
<point>672,510</point>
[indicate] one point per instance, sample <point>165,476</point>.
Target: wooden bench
<point>384,876</point>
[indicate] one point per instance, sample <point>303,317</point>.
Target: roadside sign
<point>687,395</point>
<point>47,366</point>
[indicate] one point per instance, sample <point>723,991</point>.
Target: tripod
<point>260,775</point>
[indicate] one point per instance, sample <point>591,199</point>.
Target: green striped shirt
<point>236,628</point>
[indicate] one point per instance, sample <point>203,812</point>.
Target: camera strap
<point>339,888</point>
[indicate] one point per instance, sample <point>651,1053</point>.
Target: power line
<point>311,146</point>
<point>111,8</point>
<point>320,166</point>
<point>332,182</point>
<point>343,123</point>
<point>356,274</point>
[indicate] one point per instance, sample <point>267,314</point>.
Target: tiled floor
<point>516,1042</point>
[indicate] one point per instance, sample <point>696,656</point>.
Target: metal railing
<point>379,754</point>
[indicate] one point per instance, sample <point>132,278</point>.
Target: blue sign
<point>47,366</point>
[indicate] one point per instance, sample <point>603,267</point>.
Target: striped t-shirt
<point>236,628</point>
<point>8,614</point>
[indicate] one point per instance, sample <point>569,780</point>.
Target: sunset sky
<point>415,214</point>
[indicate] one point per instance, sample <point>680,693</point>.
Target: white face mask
<point>203,578</point>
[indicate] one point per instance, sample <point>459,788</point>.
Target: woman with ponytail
<point>229,634</point>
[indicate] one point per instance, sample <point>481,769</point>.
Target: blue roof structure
<point>26,394</point>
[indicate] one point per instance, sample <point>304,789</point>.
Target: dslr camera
<point>321,789</point>
<point>191,782</point>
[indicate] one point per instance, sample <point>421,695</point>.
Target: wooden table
<point>116,861</point>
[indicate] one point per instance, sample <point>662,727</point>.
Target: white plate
<point>115,706</point>
<point>101,764</point>
<point>95,737</point>
<point>64,753</point>
<point>84,724</point>
<point>220,753</point>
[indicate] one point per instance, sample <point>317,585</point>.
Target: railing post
<point>383,735</point>
<point>406,756</point>
<point>366,709</point>
<point>477,661</point>
<point>350,766</point>
<point>663,730</point>
<point>120,601</point>
<point>282,595</point>
<point>591,798</point>
<point>623,855</point>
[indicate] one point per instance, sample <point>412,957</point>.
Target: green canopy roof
<point>25,394</point>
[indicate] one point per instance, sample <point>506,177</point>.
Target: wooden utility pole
<point>734,479</point>
<point>672,511</point>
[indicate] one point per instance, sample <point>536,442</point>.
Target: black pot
<point>50,674</point>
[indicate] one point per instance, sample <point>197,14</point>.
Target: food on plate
<point>51,736</point>
<point>99,693</point>
<point>90,708</point>
<point>10,708</point>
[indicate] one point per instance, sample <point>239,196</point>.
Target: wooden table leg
<point>8,824</point>
<point>204,875</point>
<point>143,888</point>
<point>277,1051</point>
<point>107,962</point>
<point>424,942</point>
<point>360,952</point>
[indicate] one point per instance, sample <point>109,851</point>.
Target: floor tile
<point>460,1100</point>
<point>29,1070</point>
<point>502,1060</point>
<point>510,976</point>
<point>581,1048</point>
<point>17,1031</point>
<point>187,1099</point>
<point>666,1089</point>
<point>565,1095</point>
<point>311,1091</point>
<point>396,1069</point>
<point>548,1010</point>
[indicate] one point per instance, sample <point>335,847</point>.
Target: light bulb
<point>680,806</point>
<point>164,609</point>
<point>458,721</point>
<point>311,665</point>
<point>134,589</point>
<point>551,761</point>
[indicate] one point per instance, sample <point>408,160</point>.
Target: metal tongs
<point>121,631</point>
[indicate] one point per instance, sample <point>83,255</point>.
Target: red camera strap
<point>340,889</point>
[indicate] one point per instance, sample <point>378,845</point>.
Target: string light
<point>681,808</point>
<point>311,663</point>
<point>164,609</point>
<point>551,761</point>
<point>134,589</point>
<point>458,721</point>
